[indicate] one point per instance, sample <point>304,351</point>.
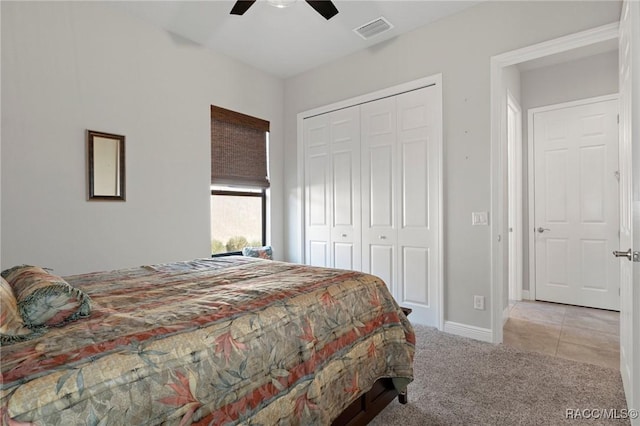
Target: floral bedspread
<point>211,341</point>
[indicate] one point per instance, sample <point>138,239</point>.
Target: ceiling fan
<point>325,8</point>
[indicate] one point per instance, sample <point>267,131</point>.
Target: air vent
<point>373,28</point>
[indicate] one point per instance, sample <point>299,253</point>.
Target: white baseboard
<point>526,295</point>
<point>464,330</point>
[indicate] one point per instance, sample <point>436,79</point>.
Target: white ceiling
<point>286,42</point>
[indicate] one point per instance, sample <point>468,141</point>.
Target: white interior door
<point>629,63</point>
<point>576,203</point>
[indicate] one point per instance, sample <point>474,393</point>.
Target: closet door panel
<point>318,253</point>
<point>381,191</point>
<point>379,194</point>
<point>343,195</point>
<point>344,256</point>
<point>317,191</point>
<point>418,165</point>
<point>415,200</point>
<point>414,273</point>
<point>382,262</point>
<point>345,181</point>
<point>332,189</point>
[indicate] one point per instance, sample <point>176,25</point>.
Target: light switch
<point>479,218</point>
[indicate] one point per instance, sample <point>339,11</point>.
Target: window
<point>238,220</point>
<point>239,181</point>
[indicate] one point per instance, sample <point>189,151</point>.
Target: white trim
<point>471,331</point>
<point>498,62</point>
<point>526,295</point>
<point>532,217</point>
<point>433,80</point>
<point>441,209</point>
<point>438,82</point>
<point>559,45</point>
<point>515,182</point>
<point>532,173</point>
<point>505,314</point>
<point>300,189</point>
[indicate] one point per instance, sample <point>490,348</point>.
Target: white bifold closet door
<point>400,197</point>
<point>372,194</point>
<point>332,189</point>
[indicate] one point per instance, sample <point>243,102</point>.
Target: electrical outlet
<point>478,303</point>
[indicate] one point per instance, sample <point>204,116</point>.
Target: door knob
<point>541,229</point>
<point>633,256</point>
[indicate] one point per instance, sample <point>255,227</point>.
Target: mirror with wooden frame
<point>106,166</point>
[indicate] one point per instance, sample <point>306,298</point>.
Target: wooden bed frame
<point>364,409</point>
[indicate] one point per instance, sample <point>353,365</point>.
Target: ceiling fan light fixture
<point>281,4</point>
<point>326,8</point>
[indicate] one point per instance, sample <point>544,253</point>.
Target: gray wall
<point>579,79</point>
<point>460,48</point>
<point>71,66</point>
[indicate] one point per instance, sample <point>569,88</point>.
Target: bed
<point>232,340</point>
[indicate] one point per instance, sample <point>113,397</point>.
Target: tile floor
<point>571,332</point>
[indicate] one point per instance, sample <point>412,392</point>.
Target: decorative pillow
<point>262,252</point>
<point>45,299</point>
<point>12,328</point>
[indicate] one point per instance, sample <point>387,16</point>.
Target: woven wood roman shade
<point>238,149</point>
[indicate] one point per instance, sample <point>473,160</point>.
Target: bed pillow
<point>12,328</point>
<point>262,252</point>
<point>45,299</point>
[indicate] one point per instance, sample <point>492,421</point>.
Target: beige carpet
<point>461,381</point>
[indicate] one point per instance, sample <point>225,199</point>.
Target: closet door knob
<point>382,237</point>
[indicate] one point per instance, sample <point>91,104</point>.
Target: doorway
<point>573,150</point>
<point>625,34</point>
<point>500,161</point>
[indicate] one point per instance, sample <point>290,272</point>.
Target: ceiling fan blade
<point>241,6</point>
<point>325,8</point>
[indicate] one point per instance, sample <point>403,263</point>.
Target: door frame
<point>531,174</point>
<point>432,80</point>
<point>514,163</point>
<point>498,158</point>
